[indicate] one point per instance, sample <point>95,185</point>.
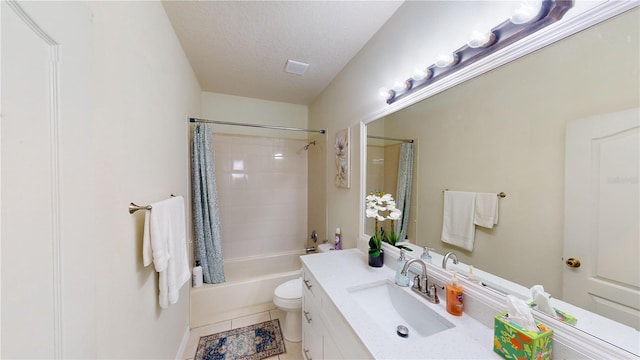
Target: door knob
<point>572,262</point>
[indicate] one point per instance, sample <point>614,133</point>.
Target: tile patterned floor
<point>294,350</point>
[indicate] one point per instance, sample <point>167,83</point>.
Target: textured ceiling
<point>241,47</point>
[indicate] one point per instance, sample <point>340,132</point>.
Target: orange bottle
<point>454,296</point>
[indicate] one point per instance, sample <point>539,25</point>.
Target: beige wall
<point>352,98</point>
<point>144,89</point>
<point>238,109</point>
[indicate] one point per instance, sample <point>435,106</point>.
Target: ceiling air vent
<point>295,67</point>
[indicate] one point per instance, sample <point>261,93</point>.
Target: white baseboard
<point>183,343</point>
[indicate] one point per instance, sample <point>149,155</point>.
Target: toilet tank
<point>326,247</point>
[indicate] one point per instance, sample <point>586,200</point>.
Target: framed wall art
<point>343,165</point>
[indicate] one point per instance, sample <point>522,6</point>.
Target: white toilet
<point>288,298</point>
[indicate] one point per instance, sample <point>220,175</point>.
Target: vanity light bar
<point>501,36</point>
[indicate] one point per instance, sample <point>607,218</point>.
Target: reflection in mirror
<point>390,170</point>
<point>505,130</point>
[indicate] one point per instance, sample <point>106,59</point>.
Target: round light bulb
<point>481,39</point>
<point>444,60</point>
<point>385,93</point>
<point>421,74</point>
<point>400,86</point>
<point>527,11</point>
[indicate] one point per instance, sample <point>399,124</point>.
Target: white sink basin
<point>389,306</point>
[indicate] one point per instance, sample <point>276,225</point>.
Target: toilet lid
<point>291,289</point>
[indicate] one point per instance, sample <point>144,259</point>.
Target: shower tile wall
<point>262,194</point>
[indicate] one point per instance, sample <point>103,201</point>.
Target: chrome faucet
<point>421,282</point>
<point>446,257</point>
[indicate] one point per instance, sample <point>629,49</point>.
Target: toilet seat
<point>290,290</point>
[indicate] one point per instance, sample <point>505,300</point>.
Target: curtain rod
<point>197,120</point>
<point>388,138</point>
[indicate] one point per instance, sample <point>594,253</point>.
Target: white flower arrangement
<point>377,202</point>
<point>381,207</point>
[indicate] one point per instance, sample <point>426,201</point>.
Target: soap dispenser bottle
<point>454,296</point>
<point>197,275</point>
<point>402,280</point>
<point>426,257</point>
<point>472,277</point>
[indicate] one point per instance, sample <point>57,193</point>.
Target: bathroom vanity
<point>352,311</point>
<point>325,333</point>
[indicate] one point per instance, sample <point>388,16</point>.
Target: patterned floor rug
<point>252,342</point>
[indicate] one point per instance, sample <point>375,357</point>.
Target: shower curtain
<point>206,218</point>
<point>403,191</point>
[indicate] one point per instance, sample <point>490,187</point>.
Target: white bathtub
<point>248,289</point>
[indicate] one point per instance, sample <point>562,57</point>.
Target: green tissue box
<point>564,317</point>
<point>513,342</point>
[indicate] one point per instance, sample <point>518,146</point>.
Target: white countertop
<point>337,271</point>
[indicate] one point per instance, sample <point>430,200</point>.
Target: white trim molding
<point>54,121</point>
<point>183,343</point>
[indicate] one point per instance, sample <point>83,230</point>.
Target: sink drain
<point>402,331</point>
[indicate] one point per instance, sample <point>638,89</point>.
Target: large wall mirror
<point>505,131</point>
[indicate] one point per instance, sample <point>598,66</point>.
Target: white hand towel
<point>153,249</point>
<point>458,215</point>
<point>486,210</point>
<point>165,243</point>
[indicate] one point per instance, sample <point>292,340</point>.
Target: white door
<point>44,107</point>
<point>602,216</point>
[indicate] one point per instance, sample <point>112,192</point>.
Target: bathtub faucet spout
<point>310,249</point>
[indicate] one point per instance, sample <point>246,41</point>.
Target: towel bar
<point>500,194</point>
<point>134,207</point>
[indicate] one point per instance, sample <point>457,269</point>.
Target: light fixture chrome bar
<point>275,127</point>
<point>388,138</point>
